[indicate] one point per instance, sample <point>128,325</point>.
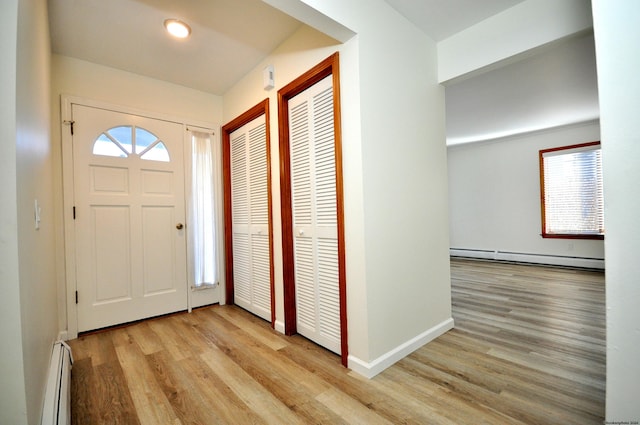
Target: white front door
<point>129,217</point>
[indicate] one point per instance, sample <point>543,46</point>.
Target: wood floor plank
<point>459,348</point>
<point>528,347</point>
<point>175,342</point>
<point>102,350</point>
<point>119,407</point>
<point>325,365</point>
<point>243,344</point>
<point>421,404</point>
<point>287,381</point>
<point>187,325</point>
<point>82,409</point>
<point>257,331</point>
<point>349,409</point>
<point>219,396</point>
<point>81,348</point>
<point>489,389</point>
<point>187,400</point>
<point>148,341</point>
<point>92,407</point>
<point>254,395</point>
<point>150,402</point>
<point>446,400</point>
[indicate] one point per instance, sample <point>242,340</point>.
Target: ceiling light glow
<point>177,28</point>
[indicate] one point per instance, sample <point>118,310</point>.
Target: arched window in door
<point>126,140</point>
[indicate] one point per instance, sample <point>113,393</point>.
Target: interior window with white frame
<point>572,197</point>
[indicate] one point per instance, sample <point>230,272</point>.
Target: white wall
<point>303,50</point>
<point>27,267</point>
<point>394,157</point>
<point>85,79</point>
<point>33,170</point>
<point>494,194</point>
<point>405,181</point>
<point>526,27</point>
<point>617,31</point>
<point>13,404</point>
<point>96,82</point>
<point>554,88</point>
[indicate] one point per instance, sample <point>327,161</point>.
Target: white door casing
<point>314,213</point>
<point>130,252</point>
<point>250,218</point>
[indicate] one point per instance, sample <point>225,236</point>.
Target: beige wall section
<point>494,190</point>
<point>617,32</point>
<point>85,79</point>
<point>28,266</point>
<point>405,182</point>
<point>396,215</point>
<point>299,53</point>
<point>96,82</point>
<point>480,47</point>
<point>13,402</point>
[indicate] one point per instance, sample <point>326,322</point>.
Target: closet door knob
<point>179,226</point>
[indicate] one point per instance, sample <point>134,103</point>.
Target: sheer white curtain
<point>202,208</point>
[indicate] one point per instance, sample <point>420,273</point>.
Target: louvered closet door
<point>250,218</point>
<point>315,224</point>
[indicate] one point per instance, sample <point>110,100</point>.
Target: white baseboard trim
<point>279,326</point>
<point>371,369</point>
<point>63,336</point>
<point>554,260</point>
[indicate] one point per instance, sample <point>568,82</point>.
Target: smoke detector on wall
<point>268,78</point>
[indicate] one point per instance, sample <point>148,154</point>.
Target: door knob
<point>179,226</point>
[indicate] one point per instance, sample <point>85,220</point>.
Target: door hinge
<point>74,213</point>
<point>70,124</point>
<point>76,297</point>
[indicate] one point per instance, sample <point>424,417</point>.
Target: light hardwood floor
<point>528,348</point>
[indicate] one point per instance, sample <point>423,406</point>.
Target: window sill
<point>571,236</point>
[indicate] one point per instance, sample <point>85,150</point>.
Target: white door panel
<point>314,212</point>
<point>130,257</point>
<point>158,249</point>
<point>250,218</point>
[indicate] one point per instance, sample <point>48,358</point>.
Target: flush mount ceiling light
<point>177,28</point>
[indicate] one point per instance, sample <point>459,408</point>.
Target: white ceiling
<point>440,19</point>
<point>229,37</point>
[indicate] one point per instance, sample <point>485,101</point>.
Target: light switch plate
<point>37,214</point>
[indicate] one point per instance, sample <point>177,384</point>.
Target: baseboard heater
<point>57,399</point>
<point>555,260</point>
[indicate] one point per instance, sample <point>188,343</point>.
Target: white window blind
<point>572,191</point>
